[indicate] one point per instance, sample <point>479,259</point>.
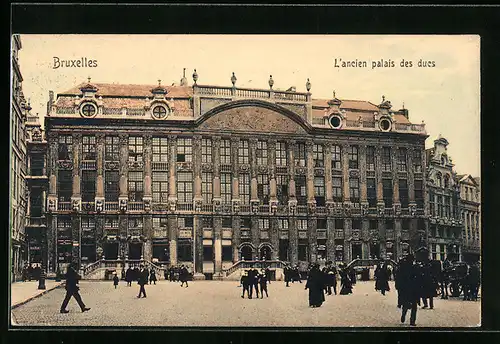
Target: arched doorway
<point>265,252</point>
<point>246,252</point>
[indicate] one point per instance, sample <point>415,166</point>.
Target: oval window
<point>159,112</point>
<point>335,122</point>
<point>385,124</point>
<point>88,110</point>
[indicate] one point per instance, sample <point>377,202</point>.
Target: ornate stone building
<point>445,222</point>
<point>470,211</point>
<point>17,152</point>
<point>208,175</point>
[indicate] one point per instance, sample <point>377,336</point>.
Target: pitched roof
<point>347,104</point>
<point>130,90</point>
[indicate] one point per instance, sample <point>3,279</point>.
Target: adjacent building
<point>17,153</point>
<point>209,175</point>
<point>443,192</point>
<point>470,211</point>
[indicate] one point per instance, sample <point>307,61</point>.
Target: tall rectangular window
<point>403,193</point>
<point>282,188</point>
<point>336,157</point>
<point>64,185</point>
<point>281,154</point>
<point>301,189</point>
<point>370,158</point>
<point>302,224</point>
<point>402,159</point>
<point>244,188</point>
<point>135,186</point>
<point>184,149</point>
<point>432,204</point>
<point>319,190</point>
<point>160,186</point>
<point>185,187</point>
<point>112,148</point>
<point>65,147</point>
<point>318,156</point>
<point>386,159</point>
<point>206,151</point>
<point>88,185</point>
<point>160,149</point>
<point>206,187</point>
<point>387,192</point>
<point>371,192</point>
<point>37,164</point>
<point>337,189</point>
<point>135,148</point>
<point>261,153</point>
<point>264,224</point>
<point>225,152</point>
<point>440,205</point>
<point>299,154</point>
<point>243,152</point>
<point>283,224</point>
<point>419,193</point>
<point>226,187</point>
<point>417,160</point>
<point>111,185</point>
<point>354,189</point>
<point>88,148</point>
<point>353,157</point>
<point>263,188</point>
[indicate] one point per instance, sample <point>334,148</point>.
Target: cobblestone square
<point>219,304</point>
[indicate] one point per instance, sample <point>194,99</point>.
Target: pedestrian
<point>152,277</point>
<point>428,286</point>
<point>345,281</point>
<point>286,273</point>
<point>382,278</point>
<point>268,275</point>
<point>445,278</point>
<point>315,284</point>
<point>183,275</point>
<point>331,278</point>
<point>395,272</point>
<point>165,274</point>
<point>72,289</point>
<point>30,272</point>
<point>25,272</point>
<point>352,275</point>
<point>255,274</point>
<point>115,280</point>
<point>142,281</point>
<point>263,283</point>
<point>244,281</point>
<point>128,277</point>
<point>410,288</point>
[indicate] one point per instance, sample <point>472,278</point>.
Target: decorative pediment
<point>253,118</point>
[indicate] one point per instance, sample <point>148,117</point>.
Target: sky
<point>446,96</point>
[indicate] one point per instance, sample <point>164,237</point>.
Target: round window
<point>385,125</point>
<point>159,112</point>
<point>88,110</point>
<point>335,122</point>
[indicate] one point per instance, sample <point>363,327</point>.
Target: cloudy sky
<point>445,97</point>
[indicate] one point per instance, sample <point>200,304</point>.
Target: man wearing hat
<point>143,280</point>
<point>72,289</point>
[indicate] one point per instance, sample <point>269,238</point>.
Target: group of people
<point>177,273</point>
<point>31,271</point>
<point>291,274</point>
<point>135,274</point>
<point>321,281</point>
<point>252,279</point>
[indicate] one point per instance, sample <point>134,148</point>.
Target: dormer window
<point>385,124</point>
<point>159,112</point>
<point>88,110</point>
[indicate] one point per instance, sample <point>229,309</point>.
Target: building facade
<point>17,206</point>
<point>443,192</point>
<point>470,211</point>
<point>206,176</point>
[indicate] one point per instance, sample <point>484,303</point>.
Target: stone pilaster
<point>313,238</point>
<point>198,247</point>
<point>274,237</point>
<point>172,236</point>
<point>217,220</point>
<point>100,166</point>
<point>172,186</point>
<point>147,232</point>
<point>236,238</point>
<point>328,172</point>
<point>76,196</point>
<point>254,199</point>
<point>51,257</point>
<point>291,169</point>
<point>347,241</point>
<point>330,239</point>
<point>271,158</point>
<point>123,230</point>
<point>345,171</point>
<point>310,172</point>
<point>148,157</point>
<point>411,176</point>
<point>255,234</point>
<point>123,197</point>
<point>216,175</point>
<point>362,174</point>
<point>395,178</point>
<point>52,162</point>
<point>99,234</point>
<point>197,169</point>
<point>235,142</point>
<point>75,234</point>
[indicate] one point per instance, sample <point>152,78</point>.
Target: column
<point>365,230</point>
<point>52,166</point>
<point>255,235</point>
<point>198,246</point>
<point>123,229</point>
<point>197,168</point>
<point>398,252</point>
<point>411,177</point>
<point>76,196</point>
<point>310,172</point>
<point>383,241</point>
<point>313,238</point>
<point>123,197</point>
<point>271,158</point>
<point>328,172</point>
<point>216,173</point>
<point>293,240</point>
<point>362,175</point>
<point>378,168</point>
<point>100,168</point>
<point>236,238</point>
<point>330,239</point>
<point>172,168</point>
<point>217,220</point>
<point>347,242</point>
<point>345,171</point>
<point>235,142</point>
<point>254,199</point>
<point>172,236</point>
<point>291,168</point>
<point>147,244</point>
<point>274,237</point>
<point>99,234</point>
<point>395,178</point>
<point>148,157</point>
<point>50,256</point>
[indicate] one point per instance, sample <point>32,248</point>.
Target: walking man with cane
<point>72,289</point>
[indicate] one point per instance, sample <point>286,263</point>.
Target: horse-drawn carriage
<point>450,278</point>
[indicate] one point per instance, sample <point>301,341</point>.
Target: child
<point>115,280</point>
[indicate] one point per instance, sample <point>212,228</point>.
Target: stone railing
<point>64,206</point>
<point>111,111</point>
<point>135,112</point>
<point>159,166</point>
<point>181,206</point>
<point>65,110</point>
<point>135,206</point>
<point>258,264</point>
<point>110,206</point>
<point>35,221</point>
<point>250,93</point>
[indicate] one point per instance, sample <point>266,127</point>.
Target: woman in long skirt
<point>315,284</point>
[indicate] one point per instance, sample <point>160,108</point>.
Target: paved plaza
<point>219,304</point>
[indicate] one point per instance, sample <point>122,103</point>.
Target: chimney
<point>404,111</point>
<point>50,102</point>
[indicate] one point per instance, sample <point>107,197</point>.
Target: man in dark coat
<point>330,278</point>
<point>128,277</point>
<point>183,275</point>
<point>263,283</point>
<point>428,286</point>
<point>315,284</point>
<point>72,289</point>
<point>253,278</point>
<point>296,274</point>
<point>382,276</point>
<point>286,273</point>
<point>152,276</point>
<point>409,287</point>
<point>268,275</point>
<point>245,282</point>
<point>143,280</point>
<point>345,281</point>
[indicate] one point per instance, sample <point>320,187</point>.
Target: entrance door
<point>246,253</point>
<point>265,253</point>
<point>134,250</point>
<point>356,251</point>
<point>283,250</point>
<point>111,251</point>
